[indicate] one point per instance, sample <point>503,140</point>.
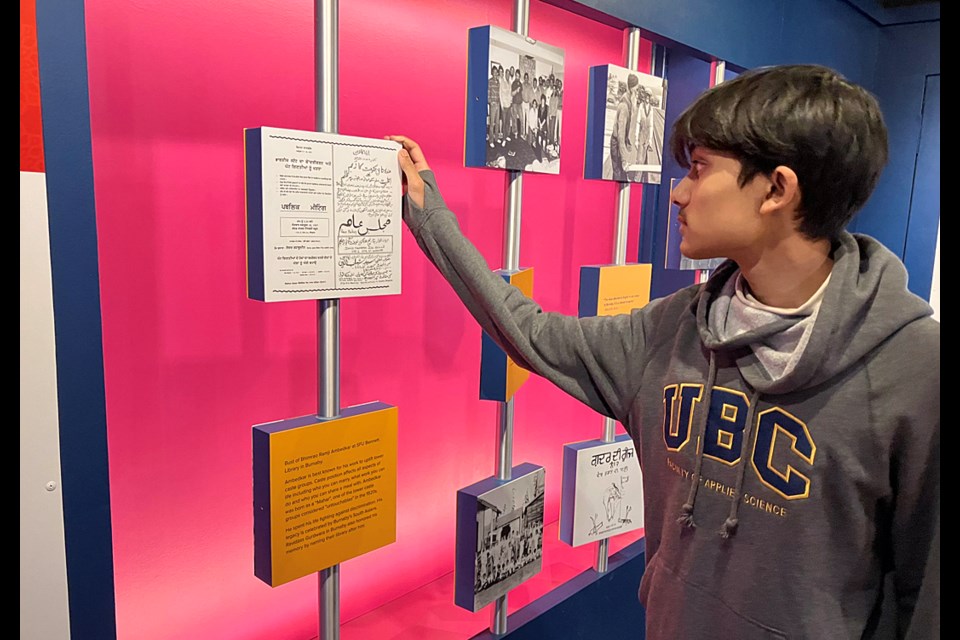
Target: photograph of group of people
<point>633,126</point>
<point>509,537</point>
<point>524,103</point>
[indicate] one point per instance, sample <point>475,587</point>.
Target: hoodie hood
<point>862,306</point>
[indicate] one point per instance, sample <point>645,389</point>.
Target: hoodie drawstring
<point>729,527</point>
<point>686,511</point>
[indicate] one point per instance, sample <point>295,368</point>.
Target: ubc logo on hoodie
<point>776,430</point>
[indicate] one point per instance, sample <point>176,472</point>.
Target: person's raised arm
<point>596,360</point>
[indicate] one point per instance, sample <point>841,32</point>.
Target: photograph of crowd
<point>509,537</point>
<point>524,103</point>
<point>633,126</point>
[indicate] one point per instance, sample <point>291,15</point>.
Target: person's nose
<point>680,194</point>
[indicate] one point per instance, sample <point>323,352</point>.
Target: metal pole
<point>504,462</point>
<point>326,88</point>
<point>499,624</point>
<point>631,60</point>
<point>521,17</point>
<point>511,228</point>
<point>511,262</point>
<point>623,221</point>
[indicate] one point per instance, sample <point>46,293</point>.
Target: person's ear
<point>783,191</point>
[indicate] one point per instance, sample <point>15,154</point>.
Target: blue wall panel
<point>908,54</point>
<point>924,223</point>
<point>588,607</point>
<point>828,32</point>
<point>751,33</point>
<point>61,46</point>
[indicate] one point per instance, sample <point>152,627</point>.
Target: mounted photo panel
<point>323,215</point>
<point>609,290</point>
<point>626,115</point>
<point>499,535</point>
<point>602,493</point>
<point>514,102</point>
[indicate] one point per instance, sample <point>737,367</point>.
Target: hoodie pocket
<point>677,608</point>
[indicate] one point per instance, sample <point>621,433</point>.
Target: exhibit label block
<point>500,376</point>
<point>324,491</point>
<point>614,289</point>
<point>323,215</point>
<point>499,535</point>
<point>602,491</point>
<point>514,102</point>
<point>625,125</point>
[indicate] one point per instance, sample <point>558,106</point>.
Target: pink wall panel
<point>191,364</point>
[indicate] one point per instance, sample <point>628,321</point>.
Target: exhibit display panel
<point>609,290</point>
<point>515,88</point>
<point>500,376</point>
<point>602,490</point>
<point>324,491</point>
<point>499,535</point>
<point>323,215</point>
<point>625,125</point>
<point>190,358</point>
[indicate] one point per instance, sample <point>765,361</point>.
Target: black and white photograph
<point>524,103</point>
<point>509,537</point>
<point>633,126</point>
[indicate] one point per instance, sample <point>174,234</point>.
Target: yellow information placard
<point>611,290</point>
<point>517,375</point>
<point>324,491</point>
<point>500,376</point>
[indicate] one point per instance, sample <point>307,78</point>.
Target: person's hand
<point>412,162</point>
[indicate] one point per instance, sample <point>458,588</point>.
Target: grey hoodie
<point>807,489</point>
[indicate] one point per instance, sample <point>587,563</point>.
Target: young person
<point>787,412</point>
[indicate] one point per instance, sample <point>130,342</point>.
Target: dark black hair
<point>806,117</point>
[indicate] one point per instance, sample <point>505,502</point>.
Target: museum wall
<point>191,364</point>
<point>752,33</point>
<point>904,212</point>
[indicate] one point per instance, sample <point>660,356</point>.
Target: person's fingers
<point>411,147</point>
<point>415,187</point>
<point>407,165</point>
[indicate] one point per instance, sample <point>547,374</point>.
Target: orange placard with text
<point>324,491</point>
<point>500,376</point>
<point>611,290</point>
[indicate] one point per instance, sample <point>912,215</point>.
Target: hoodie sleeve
<point>906,390</point>
<point>589,358</point>
<point>916,535</point>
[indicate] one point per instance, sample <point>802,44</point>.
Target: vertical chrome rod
<point>326,88</point>
<point>499,623</point>
<point>631,58</point>
<point>511,229</point>
<point>511,262</point>
<point>521,17</point>
<point>504,463</point>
